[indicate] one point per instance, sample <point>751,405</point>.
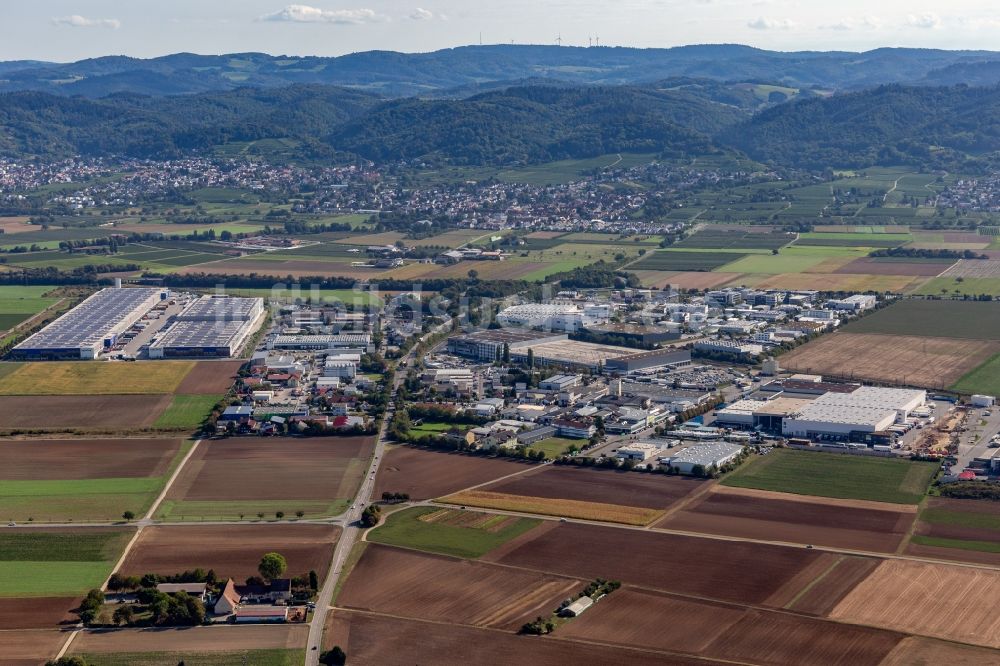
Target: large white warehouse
<point>868,409</point>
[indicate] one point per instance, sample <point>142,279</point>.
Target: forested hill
<point>539,124</point>
<point>948,127</point>
<point>44,125</point>
<point>943,126</point>
<point>405,74</point>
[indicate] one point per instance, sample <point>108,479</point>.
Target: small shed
<point>197,590</point>
<point>261,614</point>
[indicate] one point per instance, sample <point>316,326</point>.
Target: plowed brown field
<point>790,520</point>
<point>36,612</point>
<point>725,631</point>
<point>726,570</point>
<point>236,469</point>
<point>30,648</point>
<point>374,639</point>
<point>939,600</point>
<point>81,411</point>
<point>824,594</point>
<point>428,474</point>
<point>918,651</point>
<point>601,486</point>
<point>902,359</point>
<point>232,550</point>
<point>209,377</point>
<point>38,459</point>
<point>446,589</point>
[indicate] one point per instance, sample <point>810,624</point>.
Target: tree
<point>300,513</point>
<point>505,355</point>
<point>124,615</point>
<point>128,515</point>
<point>279,514</point>
<point>69,661</point>
<point>531,358</point>
<point>271,566</point>
<point>334,657</point>
<point>116,582</point>
<point>313,580</point>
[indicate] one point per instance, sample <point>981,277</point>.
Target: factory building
<point>851,416</point>
<point>323,342</point>
<point>210,326</point>
<point>488,345</point>
<point>658,358</point>
<point>554,316</point>
<point>705,456</point>
<point>91,327</point>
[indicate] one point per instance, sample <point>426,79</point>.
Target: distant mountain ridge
<point>407,74</point>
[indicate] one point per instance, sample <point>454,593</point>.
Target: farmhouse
<point>577,607</point>
<point>228,601</point>
<point>90,327</point>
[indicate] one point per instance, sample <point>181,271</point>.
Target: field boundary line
<point>813,583</point>
<point>146,520</point>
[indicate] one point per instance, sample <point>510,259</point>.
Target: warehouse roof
<point>511,335</point>
<point>215,308</point>
<point>198,334</point>
<point>89,322</point>
<point>706,454</point>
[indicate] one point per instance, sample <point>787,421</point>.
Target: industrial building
<point>646,335</point>
<point>570,353</point>
<point>705,456</point>
<point>658,358</point>
<point>91,327</point>
<point>323,342</point>
<point>852,416</point>
<point>210,326</point>
<point>554,316</point>
<point>487,345</point>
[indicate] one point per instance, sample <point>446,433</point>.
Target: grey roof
<point>706,454</point>
<point>198,334</point>
<point>85,326</point>
<point>210,308</point>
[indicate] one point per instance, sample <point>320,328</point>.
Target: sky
<point>67,30</point>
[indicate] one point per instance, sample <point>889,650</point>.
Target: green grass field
<point>55,564</point>
<point>684,260</point>
<point>328,296</point>
<point>186,412</point>
<point>431,428</point>
<point>76,500</point>
<point>836,475</point>
<point>565,171</point>
<point>20,303</point>
<point>967,287</point>
<point>989,521</point>
<point>406,529</point>
<point>972,320</point>
<point>984,379</point>
<point>960,544</point>
<point>272,657</point>
<point>553,447</point>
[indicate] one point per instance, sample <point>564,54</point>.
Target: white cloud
<point>307,14</point>
<point>421,14</point>
<point>865,23</point>
<point>926,21</point>
<point>762,23</point>
<point>77,21</point>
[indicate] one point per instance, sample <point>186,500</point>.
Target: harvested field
<point>82,411</point>
<point>37,612</point>
<point>725,631</point>
<point>962,530</point>
<point>374,639</point>
<point>209,377</point>
<point>775,638</point>
<point>875,266</point>
<point>653,620</point>
<point>973,320</point>
<point>274,468</point>
<point>600,486</point>
<point>920,651</point>
<point>232,550</point>
<point>974,268</point>
<point>81,378</point>
<point>788,519</point>
<point>823,594</point>
<point>686,279</point>
<point>17,225</point>
<point>938,600</point>
<point>30,648</point>
<point>952,552</point>
<point>545,506</point>
<point>901,359</point>
<point>85,458</point>
<point>426,474</point>
<point>191,639</point>
<point>394,580</point>
<point>832,282</point>
<point>742,572</point>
